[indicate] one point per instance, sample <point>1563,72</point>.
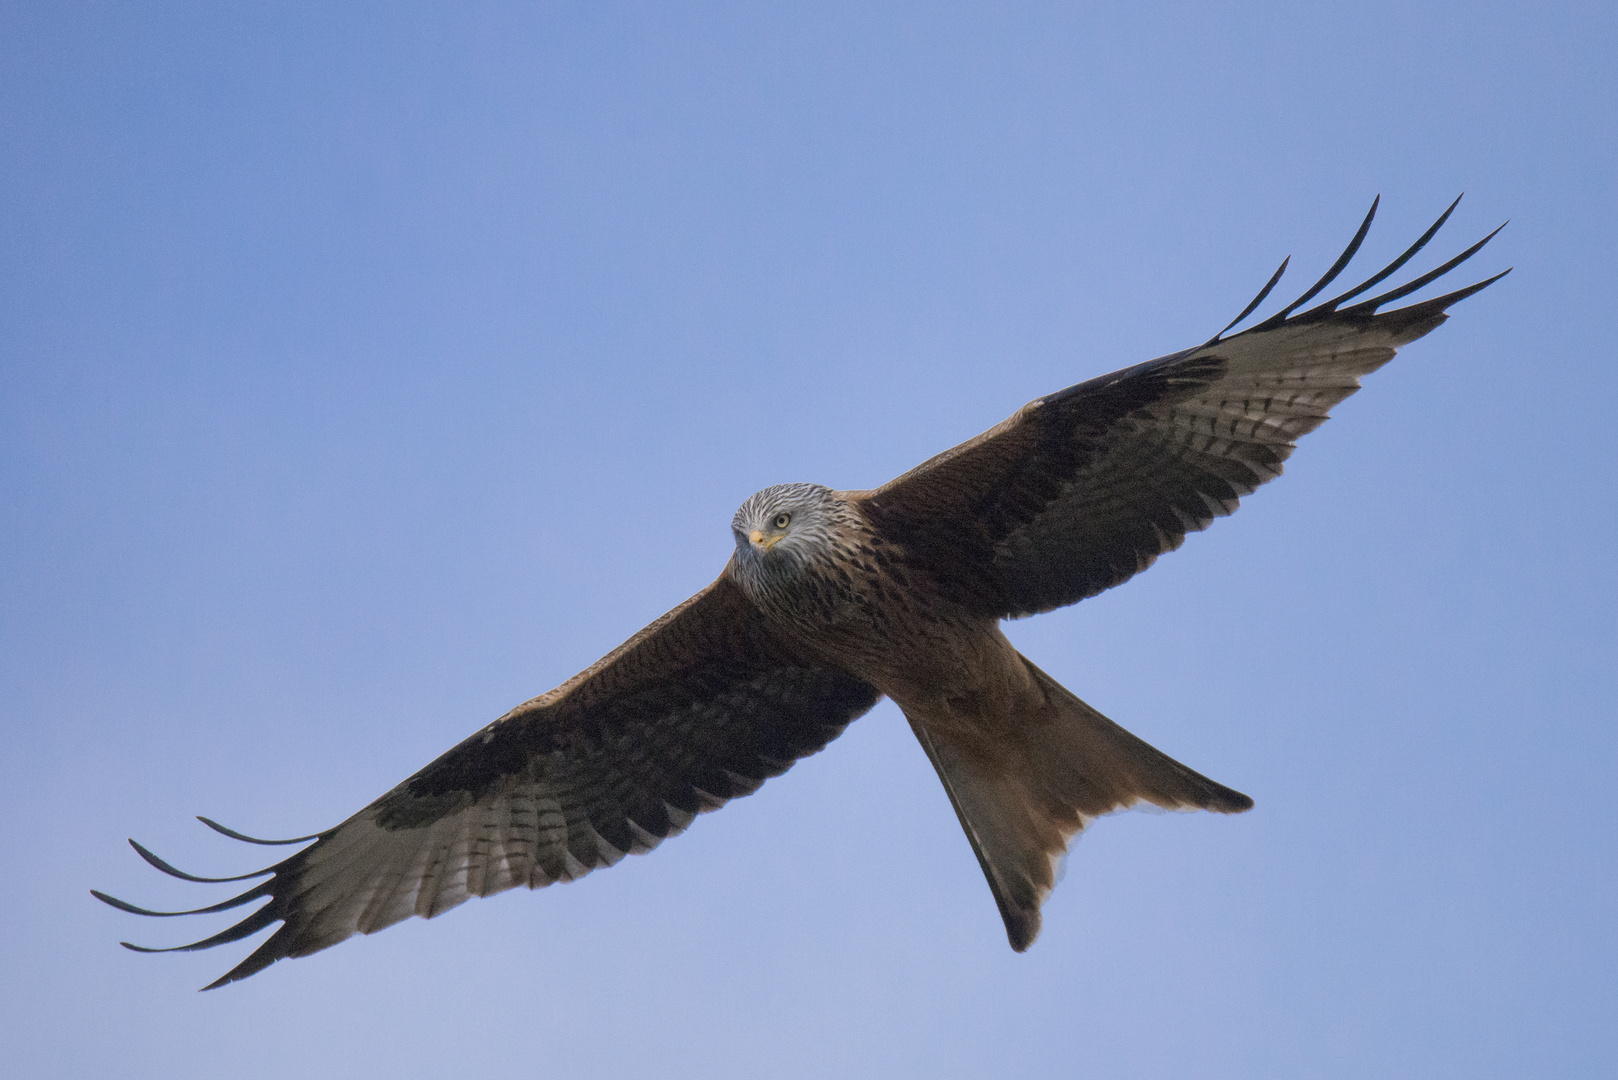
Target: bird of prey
<point>836,599</point>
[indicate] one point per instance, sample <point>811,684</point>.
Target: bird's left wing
<point>700,707</point>
<point>1082,489</point>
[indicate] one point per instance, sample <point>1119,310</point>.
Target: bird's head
<point>782,529</point>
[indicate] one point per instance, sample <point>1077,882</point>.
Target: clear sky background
<point>367,369</point>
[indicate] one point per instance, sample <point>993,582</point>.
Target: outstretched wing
<point>700,707</point>
<point>1083,489</point>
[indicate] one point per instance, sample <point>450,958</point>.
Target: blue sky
<point>368,369</point>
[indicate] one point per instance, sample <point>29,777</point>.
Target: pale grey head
<point>783,531</point>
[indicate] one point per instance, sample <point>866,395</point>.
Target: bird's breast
<point>868,611</point>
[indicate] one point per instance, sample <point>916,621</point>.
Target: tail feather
<point>1023,806</point>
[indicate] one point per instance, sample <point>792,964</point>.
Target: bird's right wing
<point>700,707</point>
<point>1084,488</point>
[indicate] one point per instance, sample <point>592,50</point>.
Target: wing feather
<point>1083,489</point>
<point>700,707</point>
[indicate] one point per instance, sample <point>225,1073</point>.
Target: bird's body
<point>833,586</point>
<point>836,599</point>
<point>1026,763</point>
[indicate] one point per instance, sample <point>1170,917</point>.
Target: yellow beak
<point>759,540</point>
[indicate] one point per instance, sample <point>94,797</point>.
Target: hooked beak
<point>759,540</point>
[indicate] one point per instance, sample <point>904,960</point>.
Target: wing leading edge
<point>1084,488</point>
<point>699,708</point>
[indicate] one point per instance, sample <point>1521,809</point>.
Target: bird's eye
<point>782,520</point>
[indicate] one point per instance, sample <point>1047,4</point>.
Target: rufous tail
<point>1024,804</point>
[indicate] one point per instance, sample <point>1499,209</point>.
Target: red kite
<point>835,599</point>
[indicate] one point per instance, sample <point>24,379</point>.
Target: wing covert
<point>1082,489</point>
<point>700,707</point>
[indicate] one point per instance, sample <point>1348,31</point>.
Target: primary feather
<point>835,599</point>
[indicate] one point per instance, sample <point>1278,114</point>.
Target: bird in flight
<point>836,599</point>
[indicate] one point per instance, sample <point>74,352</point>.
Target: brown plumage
<point>836,599</point>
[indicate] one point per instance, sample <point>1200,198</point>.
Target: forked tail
<point>1023,804</point>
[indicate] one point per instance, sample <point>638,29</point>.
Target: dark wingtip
<point>234,835</point>
<point>1431,312</point>
<point>1331,273</point>
<point>1461,294</point>
<point>1408,317</point>
<point>1236,803</point>
<point>223,905</point>
<point>183,876</point>
<point>1323,310</point>
<point>1368,306</point>
<point>1256,301</point>
<point>113,901</point>
<point>224,980</point>
<point>252,924</point>
<point>274,947</point>
<point>1022,929</point>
